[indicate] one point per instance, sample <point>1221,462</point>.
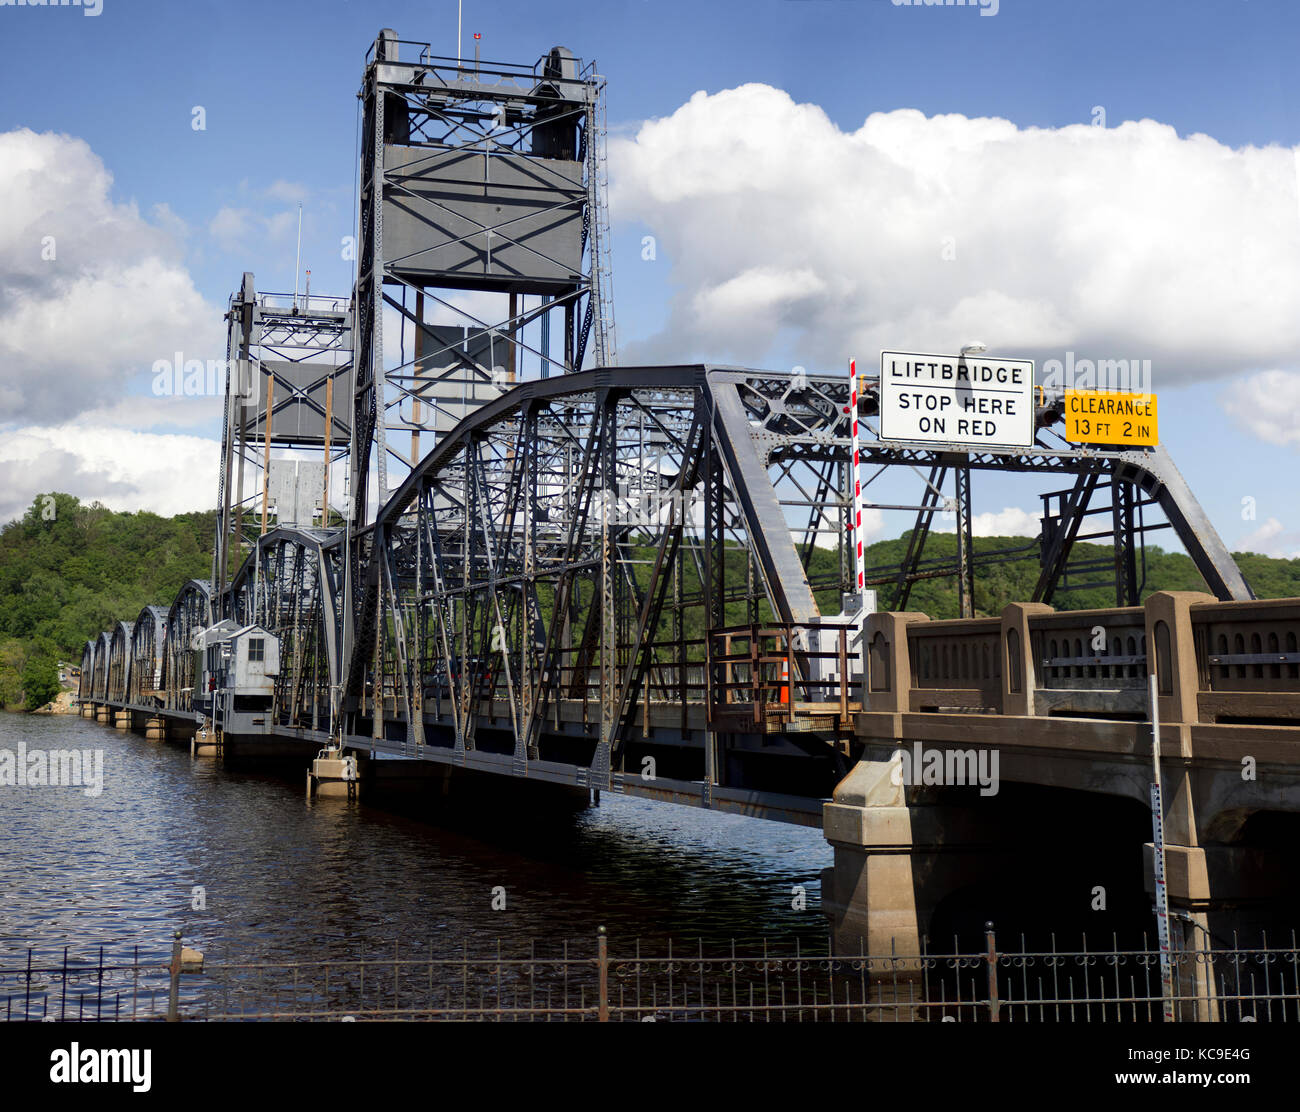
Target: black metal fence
<point>595,981</point>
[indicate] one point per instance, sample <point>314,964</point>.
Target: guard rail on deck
<point>781,678</point>
<point>1216,662</point>
<point>1231,663</point>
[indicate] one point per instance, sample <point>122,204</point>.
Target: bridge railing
<point>1247,659</point>
<point>777,677</point>
<point>1232,662</point>
<point>1216,662</point>
<point>956,664</point>
<point>676,676</point>
<point>1090,649</point>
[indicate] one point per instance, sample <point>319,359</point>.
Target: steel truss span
<point>292,587</point>
<point>546,582</point>
<point>86,680</point>
<point>562,581</point>
<point>119,662</point>
<point>148,639</point>
<point>609,580</point>
<point>190,613</point>
<point>99,681</point>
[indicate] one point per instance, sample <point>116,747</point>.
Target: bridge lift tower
<point>481,226</point>
<point>482,222</point>
<point>287,422</point>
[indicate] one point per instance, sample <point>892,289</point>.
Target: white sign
<point>956,399</point>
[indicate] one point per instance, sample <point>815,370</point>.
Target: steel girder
<point>190,612</point>
<point>119,662</point>
<point>147,639</point>
<point>1149,470</point>
<point>86,681</point>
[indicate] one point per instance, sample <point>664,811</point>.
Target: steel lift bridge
<point>634,579</point>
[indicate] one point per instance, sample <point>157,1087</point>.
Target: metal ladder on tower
<point>602,275</point>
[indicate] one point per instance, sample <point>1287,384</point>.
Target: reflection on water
<point>282,875</point>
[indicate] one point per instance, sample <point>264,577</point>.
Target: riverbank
<point>60,704</point>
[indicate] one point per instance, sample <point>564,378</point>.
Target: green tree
<point>12,656</point>
<point>40,679</point>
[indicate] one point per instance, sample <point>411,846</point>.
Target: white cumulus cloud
<point>165,473</point>
<point>1267,405</point>
<point>91,292</point>
<point>788,234</point>
<point>1271,539</point>
<point>242,229</point>
<point>1011,521</point>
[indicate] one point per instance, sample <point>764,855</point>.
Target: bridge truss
<point>554,584</point>
<point>293,588</point>
<point>585,574</point>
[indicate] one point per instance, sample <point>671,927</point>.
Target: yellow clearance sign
<point>1108,417</point>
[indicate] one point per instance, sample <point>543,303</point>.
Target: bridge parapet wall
<point>1215,661</point>
<point>1247,659</point>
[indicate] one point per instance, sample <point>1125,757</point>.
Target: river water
<point>283,877</point>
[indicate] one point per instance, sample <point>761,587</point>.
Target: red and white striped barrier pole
<point>855,521</point>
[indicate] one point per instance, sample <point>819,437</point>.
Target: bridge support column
<point>104,713</point>
<point>869,893</point>
<point>334,774</point>
<point>1224,898</point>
<point>155,729</point>
<point>206,742</point>
<point>122,720</point>
<point>896,860</point>
<point>1171,648</point>
<point>87,710</point>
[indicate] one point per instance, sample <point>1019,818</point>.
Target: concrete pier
<point>1061,700</point>
<point>206,741</point>
<point>334,774</point>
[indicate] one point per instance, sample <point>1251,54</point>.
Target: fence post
<point>174,991</point>
<point>602,968</point>
<point>992,958</point>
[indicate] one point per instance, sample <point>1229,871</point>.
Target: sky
<point>793,183</point>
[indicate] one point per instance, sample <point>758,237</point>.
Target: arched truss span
<point>119,662</point>
<point>292,586</point>
<point>190,612</point>
<point>86,681</point>
<point>99,688</point>
<point>148,641</point>
<point>578,539</point>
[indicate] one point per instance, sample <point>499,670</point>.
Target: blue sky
<point>277,82</point>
